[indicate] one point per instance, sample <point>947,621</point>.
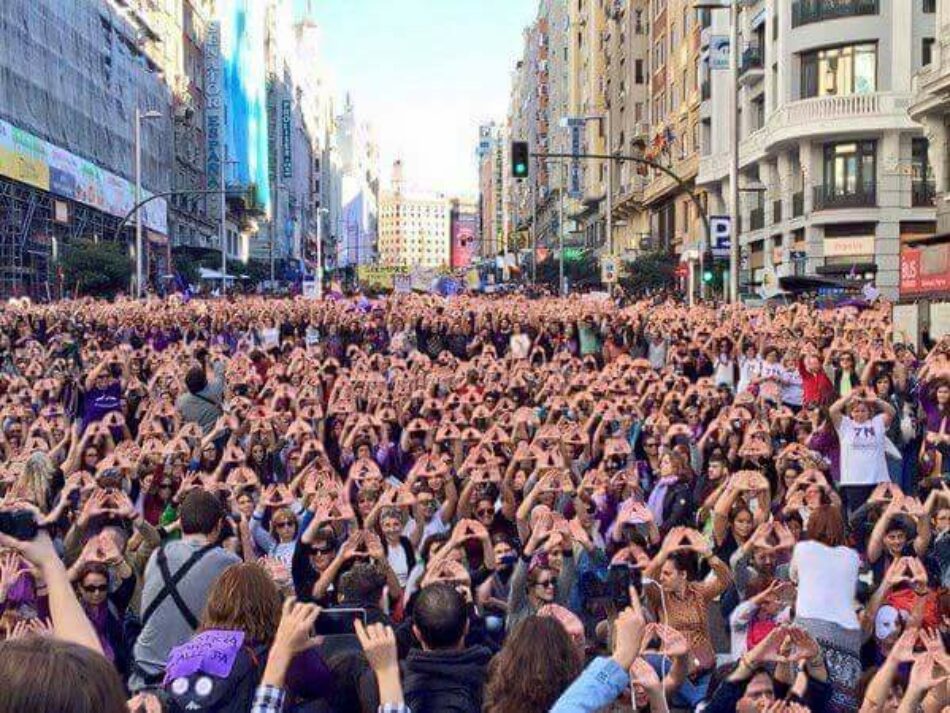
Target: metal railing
<point>807,11</point>
<point>751,59</point>
<point>923,194</point>
<point>827,198</point>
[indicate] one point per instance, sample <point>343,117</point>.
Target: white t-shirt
<point>792,390</point>
<point>520,345</point>
<point>399,563</point>
<point>435,526</point>
<point>862,451</point>
<point>826,577</point>
<point>749,369</point>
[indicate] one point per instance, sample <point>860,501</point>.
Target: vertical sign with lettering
<point>214,115</point>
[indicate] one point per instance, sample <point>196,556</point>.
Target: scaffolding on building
<point>34,227</point>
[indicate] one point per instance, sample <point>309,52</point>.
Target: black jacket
<point>445,681</point>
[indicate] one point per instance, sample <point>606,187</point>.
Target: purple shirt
<point>98,402</point>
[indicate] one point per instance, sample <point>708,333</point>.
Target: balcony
<point>777,211</point>
<point>757,218</point>
<point>805,12</point>
<point>923,194</point>
<point>827,198</point>
<point>798,204</point>
<point>750,69</point>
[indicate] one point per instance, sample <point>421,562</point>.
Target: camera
<point>19,524</point>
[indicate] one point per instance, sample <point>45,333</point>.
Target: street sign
<point>719,51</point>
<point>574,189</point>
<point>608,270</point>
<point>720,234</point>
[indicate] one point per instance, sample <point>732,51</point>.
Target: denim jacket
<point>599,685</point>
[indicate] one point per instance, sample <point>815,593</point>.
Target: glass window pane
<point>865,70</point>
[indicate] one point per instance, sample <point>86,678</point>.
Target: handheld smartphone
<point>19,524</point>
<point>620,577</point>
<point>333,622</point>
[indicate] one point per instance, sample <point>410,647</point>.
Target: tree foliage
<point>98,269</point>
<point>580,272</point>
<point>649,271</point>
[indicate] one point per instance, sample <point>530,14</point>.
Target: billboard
<point>244,87</point>
<point>28,159</point>
<point>464,244</point>
<point>925,269</point>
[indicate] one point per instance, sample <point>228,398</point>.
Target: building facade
<point>414,226</point>
<point>627,83</point>
<point>492,190</point>
<point>71,78</point>
<point>925,260</point>
<point>674,98</point>
<point>834,174</point>
<point>464,224</point>
<point>360,187</point>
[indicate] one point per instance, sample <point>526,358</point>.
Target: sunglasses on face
<point>96,588</point>
<point>485,511</point>
<point>547,583</point>
<point>285,523</point>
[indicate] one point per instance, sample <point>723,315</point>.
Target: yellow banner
<point>24,169</point>
<point>377,276</point>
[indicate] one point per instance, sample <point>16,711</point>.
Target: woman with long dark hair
<point>536,665</point>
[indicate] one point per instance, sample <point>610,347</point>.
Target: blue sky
<point>425,73</point>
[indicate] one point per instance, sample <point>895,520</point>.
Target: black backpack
<point>210,694</point>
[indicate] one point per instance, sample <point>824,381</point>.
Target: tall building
<point>833,171</point>
<point>71,77</point>
<point>360,185</point>
<point>925,260</point>
<point>627,88</point>
<point>674,97</point>
<point>183,31</point>
<point>414,226</point>
<point>492,192</point>
<point>588,98</point>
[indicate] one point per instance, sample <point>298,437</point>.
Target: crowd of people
<point>458,504</point>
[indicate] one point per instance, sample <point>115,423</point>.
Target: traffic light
<point>519,159</point>
<point>708,276</point>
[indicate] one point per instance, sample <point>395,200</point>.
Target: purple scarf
<point>99,616</point>
<point>657,496</point>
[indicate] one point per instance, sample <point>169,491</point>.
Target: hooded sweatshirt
<point>445,681</point>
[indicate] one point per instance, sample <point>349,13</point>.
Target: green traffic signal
<point>708,276</point>
<point>519,159</point>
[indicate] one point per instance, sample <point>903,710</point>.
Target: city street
<point>510,356</point>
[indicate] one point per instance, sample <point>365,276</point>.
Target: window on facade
<point>850,167</point>
<point>927,51</point>
<point>851,69</point>
<point>685,83</point>
<point>920,160</point>
<point>638,71</point>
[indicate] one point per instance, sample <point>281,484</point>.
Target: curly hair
<point>547,662</point>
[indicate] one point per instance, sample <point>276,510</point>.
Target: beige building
<point>414,227</point>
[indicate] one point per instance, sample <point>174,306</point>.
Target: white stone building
<point>833,171</point>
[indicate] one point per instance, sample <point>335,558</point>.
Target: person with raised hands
<point>682,602</point>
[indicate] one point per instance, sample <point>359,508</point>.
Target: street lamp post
<point>320,213</point>
<point>139,257</point>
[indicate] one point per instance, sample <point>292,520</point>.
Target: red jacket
<point>817,387</point>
